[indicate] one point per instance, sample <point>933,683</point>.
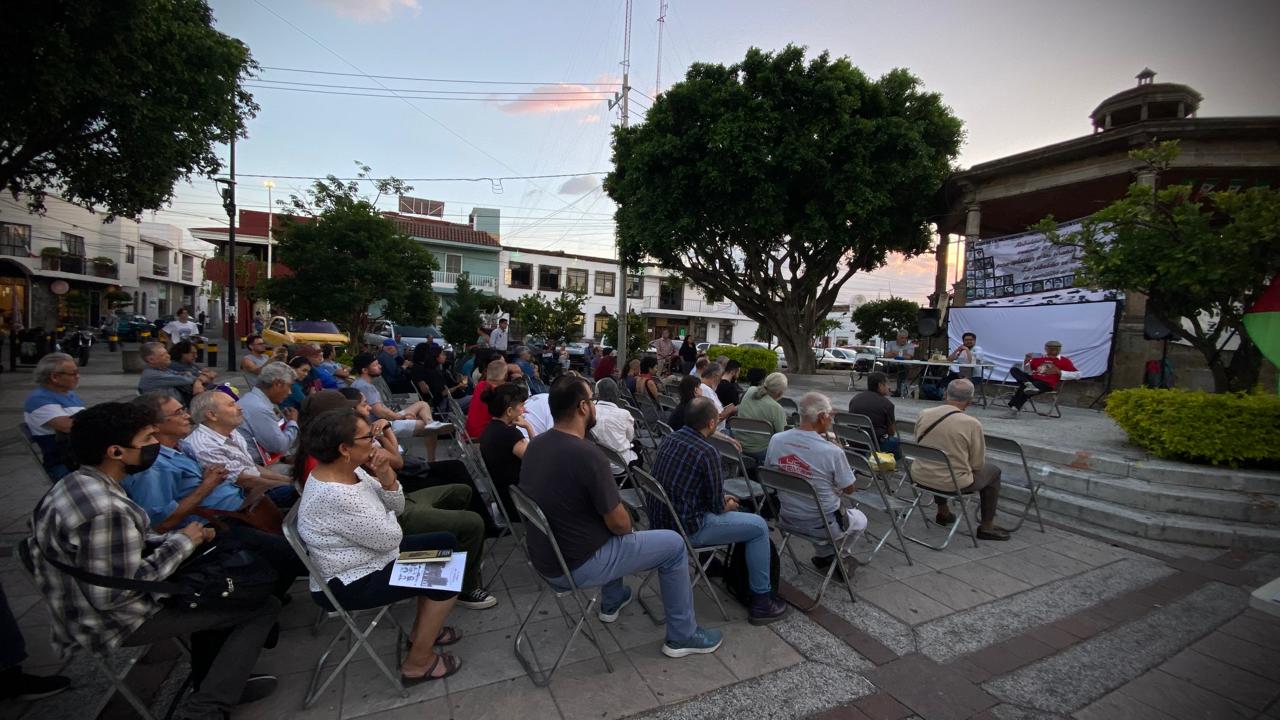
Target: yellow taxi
<point>290,332</point>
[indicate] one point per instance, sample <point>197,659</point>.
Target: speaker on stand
<point>1153,328</point>
<point>928,325</point>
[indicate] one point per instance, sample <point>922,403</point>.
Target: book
<point>421,556</point>
<point>431,575</point>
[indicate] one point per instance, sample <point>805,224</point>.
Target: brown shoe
<point>945,519</point>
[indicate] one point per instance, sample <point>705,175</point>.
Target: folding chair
<point>35,449</point>
<point>738,483</point>
<point>474,460</point>
<point>541,677</point>
<point>666,404</point>
<point>922,453</point>
<point>653,490</point>
<point>877,500</point>
<point>125,657</point>
<point>1013,447</point>
<point>792,488</point>
<point>792,410</point>
<point>743,428</point>
<point>316,688</point>
<point>621,474</point>
<point>857,420</point>
<point>1049,398</point>
<point>855,438</point>
<point>663,429</point>
<point>645,435</point>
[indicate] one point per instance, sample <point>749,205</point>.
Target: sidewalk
<point>1051,624</point>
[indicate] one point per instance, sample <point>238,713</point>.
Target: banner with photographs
<point>1025,269</point>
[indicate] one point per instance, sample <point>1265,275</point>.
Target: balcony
<point>479,282</point>
<point>160,269</point>
<point>63,263</point>
<point>188,275</point>
<point>688,306</point>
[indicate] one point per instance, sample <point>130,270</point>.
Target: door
<point>274,333</point>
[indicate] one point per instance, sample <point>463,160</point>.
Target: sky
<point>1020,74</point>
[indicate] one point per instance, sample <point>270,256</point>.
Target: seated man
<point>874,402</point>
<point>86,521</point>
<point>615,428</point>
<point>688,468</point>
<point>1039,373</point>
<point>394,367</point>
<point>607,367</point>
<point>259,355</point>
<point>156,375</point>
<point>530,369</point>
<point>569,478</point>
<point>48,410</point>
<point>216,442</point>
<point>273,430</point>
<point>806,451</point>
<point>948,428</point>
<point>711,375</point>
<point>318,378</point>
<point>176,491</point>
<point>410,422</point>
<point>331,366</point>
<point>968,353</point>
<point>900,348</point>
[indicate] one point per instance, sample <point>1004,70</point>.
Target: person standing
<point>688,354</point>
<point>181,328</point>
<point>500,336</point>
<point>666,352</point>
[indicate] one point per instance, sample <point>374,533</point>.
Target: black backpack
<point>736,578</point>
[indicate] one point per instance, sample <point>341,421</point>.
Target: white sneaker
<point>477,600</point>
<point>1010,414</point>
<point>1030,389</point>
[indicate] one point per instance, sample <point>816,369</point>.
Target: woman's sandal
<point>451,666</point>
<point>448,636</point>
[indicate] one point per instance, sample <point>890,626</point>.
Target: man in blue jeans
<point>688,467</point>
<point>569,478</point>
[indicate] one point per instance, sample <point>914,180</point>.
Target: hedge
<point>1233,429</point>
<point>747,357</point>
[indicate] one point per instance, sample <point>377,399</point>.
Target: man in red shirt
<point>1039,374</point>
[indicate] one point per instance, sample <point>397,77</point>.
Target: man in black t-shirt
<point>570,479</point>
<point>874,402</point>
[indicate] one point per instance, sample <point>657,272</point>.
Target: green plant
<point>1230,429</point>
<point>104,261</point>
<point>51,252</point>
<point>747,357</point>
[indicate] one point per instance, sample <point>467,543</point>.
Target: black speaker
<point>1153,328</point>
<point>929,322</point>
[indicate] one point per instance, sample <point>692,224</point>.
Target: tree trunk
<point>794,339</point>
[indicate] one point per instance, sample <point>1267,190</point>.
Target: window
<point>604,283</point>
<point>548,277</point>
<point>671,295</point>
<point>73,244</point>
<point>453,263</point>
<point>129,254</point>
<point>726,333</point>
<point>520,275</point>
<point>575,280</point>
<point>277,325</point>
<point>15,239</point>
<point>635,286</point>
<point>602,323</point>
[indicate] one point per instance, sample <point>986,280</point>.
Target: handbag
<point>262,515</point>
<point>222,576</point>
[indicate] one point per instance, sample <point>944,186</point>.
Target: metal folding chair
<point>361,637</point>
<point>877,500</point>
<point>541,677</point>
<point>114,665</point>
<point>1048,398</point>
<point>474,460</point>
<point>792,488</point>
<point>859,420</point>
<point>924,454</point>
<point>666,404</point>
<point>653,490</point>
<point>1013,447</point>
<point>792,409</point>
<point>645,434</point>
<point>738,483</point>
<point>744,428</point>
<point>855,438</point>
<point>35,449</point>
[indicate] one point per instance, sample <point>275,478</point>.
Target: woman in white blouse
<point>347,518</point>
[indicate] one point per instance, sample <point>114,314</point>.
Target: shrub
<point>1230,429</point>
<point>747,357</point>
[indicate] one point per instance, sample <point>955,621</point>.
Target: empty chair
<point>870,494</point>
<point>1013,447</point>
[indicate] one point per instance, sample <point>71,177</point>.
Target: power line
<point>402,96</point>
<point>602,94</point>
<point>426,179</point>
<point>421,79</point>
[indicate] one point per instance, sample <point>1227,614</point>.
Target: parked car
<point>782,357</point>
<point>290,332</point>
<point>833,359</point>
<point>127,325</point>
<point>412,336</point>
<point>381,330</point>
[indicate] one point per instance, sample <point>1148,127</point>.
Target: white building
<point>170,271</point>
<point>662,301</point>
<point>58,267</point>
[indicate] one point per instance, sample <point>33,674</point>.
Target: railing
<point>188,275</point>
<point>160,269</point>
<point>63,263</point>
<point>105,271</point>
<point>14,249</point>
<point>691,306</point>
<point>479,282</point>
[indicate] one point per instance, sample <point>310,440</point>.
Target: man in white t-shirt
<point>806,451</point>
<point>711,376</point>
<point>968,353</point>
<point>183,328</point>
<point>901,348</point>
<point>500,336</point>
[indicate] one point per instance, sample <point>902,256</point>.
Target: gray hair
<point>711,370</point>
<point>812,405</point>
<point>723,359</point>
<point>274,372</point>
<point>50,364</point>
<point>960,390</point>
<point>774,384</point>
<point>151,348</point>
<point>201,405</point>
<point>607,390</point>
<point>154,402</point>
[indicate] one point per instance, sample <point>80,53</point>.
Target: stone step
<point>1156,471</point>
<point>1144,495</point>
<point>1153,525</point>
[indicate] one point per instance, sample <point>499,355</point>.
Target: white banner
<point>1007,334</point>
<point>1025,269</point>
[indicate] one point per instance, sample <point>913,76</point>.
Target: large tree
<point>110,102</point>
<point>558,319</point>
<point>347,257</point>
<point>884,318</point>
<point>772,181</point>
<point>1201,259</point>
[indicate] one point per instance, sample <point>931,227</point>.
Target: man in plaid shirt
<point>688,467</point>
<point>88,522</point>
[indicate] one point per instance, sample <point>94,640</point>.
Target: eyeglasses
<point>180,412</point>
<point>370,436</point>
<point>76,373</point>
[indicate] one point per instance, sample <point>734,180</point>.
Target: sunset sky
<point>1020,73</point>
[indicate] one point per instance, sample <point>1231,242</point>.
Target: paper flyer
<point>431,576</point>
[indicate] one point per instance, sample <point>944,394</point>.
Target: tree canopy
<point>770,182</point>
<point>884,318</point>
<point>346,257</point>
<point>113,102</point>
<point>1201,260</point>
<point>552,320</point>
<point>464,318</point>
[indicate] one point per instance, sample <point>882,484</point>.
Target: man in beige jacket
<point>948,428</point>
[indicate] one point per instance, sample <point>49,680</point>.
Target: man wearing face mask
<point>87,521</point>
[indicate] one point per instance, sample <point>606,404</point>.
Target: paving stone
<point>286,701</point>
<point>1258,629</point>
<point>586,689</point>
<point>798,691</point>
<point>368,691</point>
<point>1088,551</point>
<point>1013,712</point>
<point>1226,680</point>
<point>749,651</point>
<point>929,690</point>
<point>948,590</point>
<point>897,636</point>
<point>489,658</point>
<point>1010,654</point>
<point>967,631</point>
<point>1118,705</point>
<point>1182,699</point>
<point>1084,672</point>
<point>990,581</point>
<point>1036,565</point>
<point>843,712</point>
<point>1053,637</point>
<point>1242,654</point>
<point>676,680</point>
<point>882,706</point>
<point>906,603</point>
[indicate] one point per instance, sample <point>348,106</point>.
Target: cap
<point>322,402</point>
<point>1053,343</point>
<point>387,342</point>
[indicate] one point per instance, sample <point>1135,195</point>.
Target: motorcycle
<point>76,343</point>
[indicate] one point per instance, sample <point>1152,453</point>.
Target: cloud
<point>564,97</point>
<point>579,185</point>
<point>591,119</point>
<point>371,11</point>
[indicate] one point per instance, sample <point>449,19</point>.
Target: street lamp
<point>269,185</point>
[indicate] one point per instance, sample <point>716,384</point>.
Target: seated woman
<point>182,359</point>
<point>502,444</point>
<point>297,391</point>
<point>432,376</point>
<point>689,385</point>
<point>347,518</point>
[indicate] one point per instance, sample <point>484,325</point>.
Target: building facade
<point>170,271</point>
